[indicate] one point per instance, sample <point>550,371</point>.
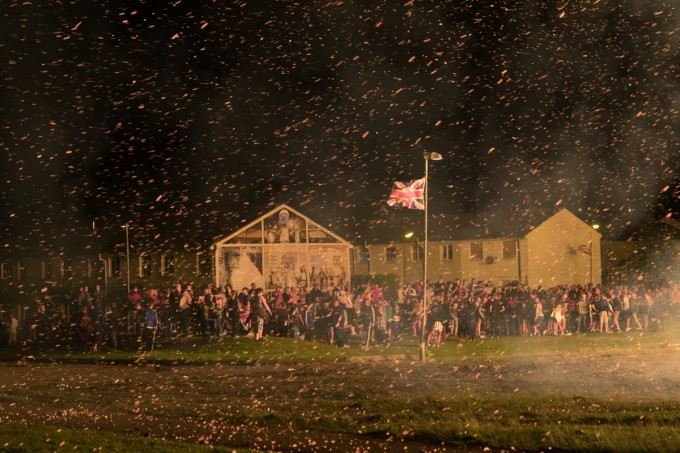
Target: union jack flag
<point>408,194</point>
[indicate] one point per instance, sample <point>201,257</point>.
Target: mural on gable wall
<point>282,249</point>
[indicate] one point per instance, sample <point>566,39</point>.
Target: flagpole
<point>423,321</point>
<point>428,157</point>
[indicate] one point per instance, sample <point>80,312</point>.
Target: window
<point>364,255</point>
<point>447,252</point>
<point>203,264</point>
<point>22,271</point>
<point>94,267</point>
<point>47,270</point>
<point>145,266</point>
<point>167,264</point>
<point>509,250</point>
<point>416,253</point>
<point>391,254</point>
<point>66,268</point>
<point>5,271</point>
<point>114,266</point>
<point>476,253</point>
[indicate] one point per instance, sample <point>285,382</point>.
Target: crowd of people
<point>364,315</point>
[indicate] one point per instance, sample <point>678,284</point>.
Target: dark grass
<point>247,351</point>
<point>15,437</point>
<point>461,397</point>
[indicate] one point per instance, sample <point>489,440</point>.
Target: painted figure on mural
<point>286,230</point>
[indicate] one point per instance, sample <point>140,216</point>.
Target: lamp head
<point>408,235</point>
<point>431,155</point>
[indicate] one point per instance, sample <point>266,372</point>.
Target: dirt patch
<point>217,405</point>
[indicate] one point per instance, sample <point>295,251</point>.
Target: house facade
<point>544,249</point>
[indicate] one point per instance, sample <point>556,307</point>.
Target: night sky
<point>184,118</point>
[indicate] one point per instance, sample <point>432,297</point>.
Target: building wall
<point>492,266</point>
<point>547,256</point>
<point>73,272</point>
<point>553,255</point>
<point>460,266</point>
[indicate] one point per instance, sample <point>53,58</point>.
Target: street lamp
<point>407,235</point>
<point>428,156</point>
<point>595,227</point>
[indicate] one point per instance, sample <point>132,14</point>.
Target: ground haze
<point>617,392</point>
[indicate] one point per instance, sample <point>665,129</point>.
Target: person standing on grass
<point>633,302</point>
<point>114,324</point>
<point>367,322</point>
<point>84,329</point>
<point>496,312</point>
<point>13,329</point>
<point>381,324</point>
<point>480,316</point>
<point>474,317</point>
<point>185,303</point>
<point>604,309</point>
<point>558,317</point>
<point>454,318</point>
<point>219,304</point>
<point>259,312</point>
<point>98,323</point>
<point>617,305</point>
<point>336,327</point>
<point>538,315</point>
<point>582,324</point>
<point>84,297</point>
<point>173,308</point>
<point>149,327</point>
<point>309,321</point>
<point>244,311</point>
<point>99,297</point>
<point>296,320</point>
<point>572,313</point>
<point>646,304</point>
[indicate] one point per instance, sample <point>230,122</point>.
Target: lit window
<point>476,253</point>
<point>203,264</point>
<point>509,250</point>
<point>167,264</point>
<point>145,266</point>
<point>447,252</point>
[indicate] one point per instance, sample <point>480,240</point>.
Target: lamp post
<point>127,252</point>
<point>595,227</point>
<point>428,156</point>
<point>408,235</point>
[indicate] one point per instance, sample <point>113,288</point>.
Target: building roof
<point>495,224</point>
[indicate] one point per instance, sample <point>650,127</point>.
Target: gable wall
<point>552,252</point>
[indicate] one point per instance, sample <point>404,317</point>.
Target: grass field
<point>617,392</point>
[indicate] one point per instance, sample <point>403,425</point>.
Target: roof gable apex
<point>562,212</point>
<point>273,211</point>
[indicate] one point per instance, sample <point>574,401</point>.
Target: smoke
<point>185,117</point>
